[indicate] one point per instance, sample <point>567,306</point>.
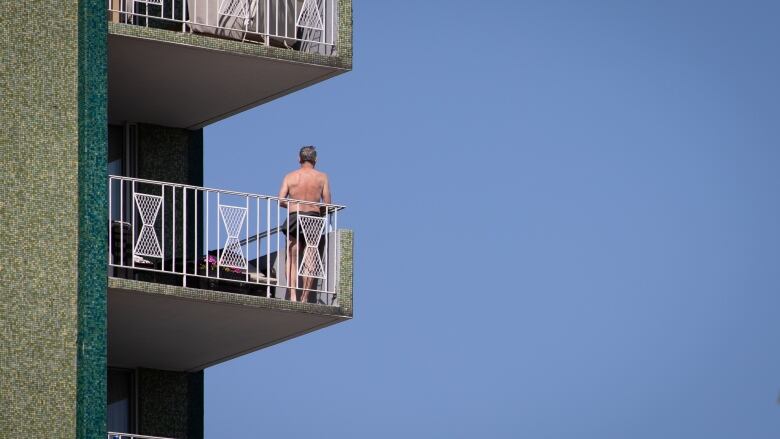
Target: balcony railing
<point>307,25</point>
<point>223,240</point>
<point>112,435</point>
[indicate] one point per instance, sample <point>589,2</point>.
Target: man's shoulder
<point>306,174</point>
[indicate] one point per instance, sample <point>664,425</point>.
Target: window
<point>121,401</point>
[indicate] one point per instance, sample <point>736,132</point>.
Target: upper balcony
<point>188,63</point>
<point>201,275</point>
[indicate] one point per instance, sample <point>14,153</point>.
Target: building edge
<point>92,218</point>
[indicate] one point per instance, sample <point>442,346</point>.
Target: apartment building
<point>122,276</point>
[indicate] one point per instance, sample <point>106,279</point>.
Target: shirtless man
<point>305,184</point>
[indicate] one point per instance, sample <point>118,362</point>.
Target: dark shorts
<point>293,224</point>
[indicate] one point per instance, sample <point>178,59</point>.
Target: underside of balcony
<point>184,80</point>
<point>186,329</point>
<point>187,80</point>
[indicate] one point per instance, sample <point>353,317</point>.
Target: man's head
<point>308,154</point>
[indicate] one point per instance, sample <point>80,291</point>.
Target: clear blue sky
<point>567,221</point>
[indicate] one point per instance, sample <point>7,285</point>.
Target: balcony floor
<point>175,328</point>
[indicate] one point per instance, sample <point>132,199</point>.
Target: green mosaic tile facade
<point>346,271</point>
<point>52,219</point>
<point>343,59</point>
<point>170,404</point>
<point>173,155</point>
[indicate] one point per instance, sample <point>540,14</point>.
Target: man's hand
<point>325,195</point>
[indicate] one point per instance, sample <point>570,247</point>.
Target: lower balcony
<point>200,275</point>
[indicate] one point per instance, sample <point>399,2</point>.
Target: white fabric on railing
<point>242,20</point>
<point>329,9</point>
<point>238,19</point>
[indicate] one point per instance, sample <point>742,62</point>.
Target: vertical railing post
<point>278,249</point>
<point>323,40</point>
<point>196,213</point>
<point>206,232</point>
<point>268,249</point>
<point>267,22</point>
<point>337,267</point>
<point>162,260</point>
<point>132,224</point>
<point>257,241</point>
<point>246,270</point>
<point>184,237</point>
<point>219,219</point>
<point>173,245</point>
<point>327,249</point>
<point>121,223</point>
<point>110,254</point>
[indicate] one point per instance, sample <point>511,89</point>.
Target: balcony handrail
<point>230,192</point>
<point>198,232</point>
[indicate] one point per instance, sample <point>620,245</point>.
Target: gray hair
<point>308,154</point>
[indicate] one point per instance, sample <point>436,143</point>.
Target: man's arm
<point>284,191</point>
<point>326,192</point>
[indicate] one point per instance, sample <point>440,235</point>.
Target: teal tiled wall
<point>93,217</point>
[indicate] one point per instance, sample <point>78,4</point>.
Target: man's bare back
<point>307,184</point>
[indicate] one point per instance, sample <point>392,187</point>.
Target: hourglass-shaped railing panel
<point>232,254</point>
<point>148,208</point>
<point>312,228</point>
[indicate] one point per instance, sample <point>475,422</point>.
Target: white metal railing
<point>311,24</point>
<point>218,239</point>
<point>112,435</point>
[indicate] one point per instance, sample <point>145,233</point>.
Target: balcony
<point>200,275</point>
<point>304,25</point>
<point>189,63</point>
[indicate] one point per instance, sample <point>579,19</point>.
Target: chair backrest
<point>234,8</point>
<point>310,16</point>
